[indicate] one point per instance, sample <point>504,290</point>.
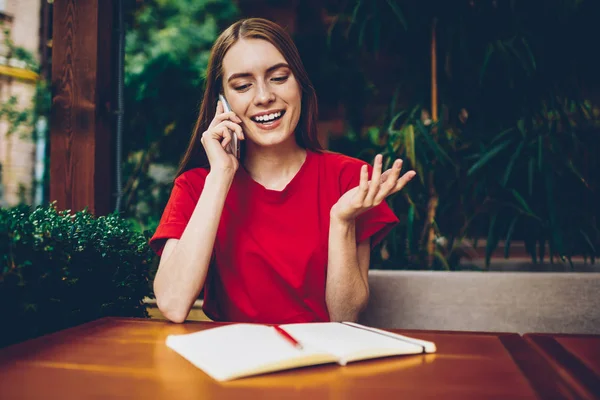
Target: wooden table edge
<point>547,382</point>
<point>579,375</point>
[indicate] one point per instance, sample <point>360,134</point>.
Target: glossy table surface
<point>575,357</point>
<point>127,358</point>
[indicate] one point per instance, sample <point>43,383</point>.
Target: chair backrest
<point>518,302</point>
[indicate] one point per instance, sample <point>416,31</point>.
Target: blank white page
<point>229,350</point>
<point>349,343</point>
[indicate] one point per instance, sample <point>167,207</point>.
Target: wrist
<point>341,221</point>
<point>219,181</point>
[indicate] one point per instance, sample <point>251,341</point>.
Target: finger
<point>385,175</point>
<point>394,173</point>
<point>389,184</point>
<point>220,108</point>
<point>404,179</point>
<point>228,116</point>
<point>226,134</point>
<point>222,116</point>
<point>363,186</point>
<point>234,127</point>
<point>375,180</point>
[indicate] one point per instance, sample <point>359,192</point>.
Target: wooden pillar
<point>81,120</point>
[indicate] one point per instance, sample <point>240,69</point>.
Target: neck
<point>274,167</point>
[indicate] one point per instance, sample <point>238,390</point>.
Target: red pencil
<point>288,337</point>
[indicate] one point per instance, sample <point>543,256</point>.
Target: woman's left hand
<point>369,194</point>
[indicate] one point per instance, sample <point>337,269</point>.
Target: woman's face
<point>262,91</point>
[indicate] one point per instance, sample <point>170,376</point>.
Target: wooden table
<point>575,357</point>
<point>127,358</point>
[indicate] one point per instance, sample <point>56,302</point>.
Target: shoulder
<point>192,177</point>
<point>191,181</point>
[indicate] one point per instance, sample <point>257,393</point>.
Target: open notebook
<point>240,350</point>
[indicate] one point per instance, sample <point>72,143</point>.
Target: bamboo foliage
<point>504,149</point>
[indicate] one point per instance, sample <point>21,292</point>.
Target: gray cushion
<point>518,302</point>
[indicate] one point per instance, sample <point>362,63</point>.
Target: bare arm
<point>347,287</point>
<point>184,262</point>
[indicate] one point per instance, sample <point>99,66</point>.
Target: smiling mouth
<point>269,118</point>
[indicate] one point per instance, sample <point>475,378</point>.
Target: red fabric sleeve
<point>375,223</point>
<point>178,211</point>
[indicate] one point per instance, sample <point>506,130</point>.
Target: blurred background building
<point>23,69</point>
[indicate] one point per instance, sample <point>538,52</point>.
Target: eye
<point>241,88</point>
<point>280,78</point>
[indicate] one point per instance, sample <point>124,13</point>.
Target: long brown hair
<point>252,28</point>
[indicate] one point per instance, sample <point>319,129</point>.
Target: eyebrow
<point>247,74</point>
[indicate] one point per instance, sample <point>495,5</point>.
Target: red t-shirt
<point>270,254</point>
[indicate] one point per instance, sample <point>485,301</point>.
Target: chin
<point>272,138</point>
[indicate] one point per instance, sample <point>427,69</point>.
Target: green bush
<point>59,269</point>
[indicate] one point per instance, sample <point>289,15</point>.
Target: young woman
<point>284,233</point>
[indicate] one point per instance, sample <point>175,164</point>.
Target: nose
<point>264,95</point>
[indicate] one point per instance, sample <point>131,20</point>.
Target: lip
<point>260,114</point>
<point>270,127</point>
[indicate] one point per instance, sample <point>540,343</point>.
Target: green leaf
<point>442,259</point>
<point>362,32</point>
<point>398,13</point>
<point>437,149</point>
<point>511,228</point>
<point>501,135</point>
<point>530,171</point>
<point>529,53</point>
<point>574,169</point>
<point>409,144</point>
<point>525,64</point>
<point>540,154</point>
<point>522,202</point>
<point>521,127</point>
<point>488,156</point>
<point>373,134</point>
<point>410,221</point>
<point>355,12</point>
<point>392,124</point>
<point>589,242</point>
<point>486,60</point>
<point>511,163</point>
<point>553,213</point>
<point>530,248</point>
<point>492,240</point>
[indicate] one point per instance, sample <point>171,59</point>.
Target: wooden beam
<point>81,120</point>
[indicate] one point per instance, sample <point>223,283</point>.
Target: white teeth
<point>267,118</point>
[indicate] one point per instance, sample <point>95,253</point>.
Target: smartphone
<point>234,146</point>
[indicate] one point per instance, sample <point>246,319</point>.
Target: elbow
<point>177,315</point>
<point>362,304</point>
<point>359,305</point>
<point>350,309</point>
<point>172,311</point>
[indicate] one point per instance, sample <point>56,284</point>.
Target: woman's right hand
<point>216,138</point>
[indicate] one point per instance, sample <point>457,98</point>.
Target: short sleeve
<point>178,211</point>
<point>376,223</point>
